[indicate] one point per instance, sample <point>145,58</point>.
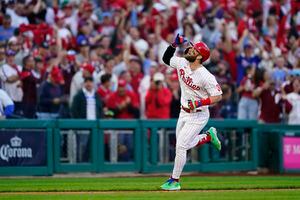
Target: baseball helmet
<point>203,50</point>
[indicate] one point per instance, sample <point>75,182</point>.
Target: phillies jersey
<point>195,85</point>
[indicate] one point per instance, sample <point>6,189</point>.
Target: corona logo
<point>15,141</point>
<point>14,150</point>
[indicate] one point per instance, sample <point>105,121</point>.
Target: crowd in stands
<point>103,58</point>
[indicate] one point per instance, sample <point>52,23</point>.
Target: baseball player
<point>199,89</point>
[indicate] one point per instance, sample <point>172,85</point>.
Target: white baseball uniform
<point>197,84</point>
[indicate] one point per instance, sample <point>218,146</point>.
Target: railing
<point>145,146</point>
<point>206,158</point>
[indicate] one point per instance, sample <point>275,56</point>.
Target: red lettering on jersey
<point>218,87</point>
<point>188,80</point>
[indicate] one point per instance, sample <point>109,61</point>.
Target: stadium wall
<point>37,147</point>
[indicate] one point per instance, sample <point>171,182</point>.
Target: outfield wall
<point>37,147</point>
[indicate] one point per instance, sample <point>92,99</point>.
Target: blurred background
<point>102,59</point>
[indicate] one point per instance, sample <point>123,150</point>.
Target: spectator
<point>271,27</point>
<point>211,35</point>
<point>294,100</point>
<point>6,105</point>
<point>143,89</point>
<point>68,68</point>
<point>135,41</point>
<point>105,42</point>
<point>39,65</point>
<point>123,103</point>
<point>214,60</point>
<point>84,50</point>
<point>107,28</point>
<point>226,109</point>
<point>14,44</point>
<point>135,69</point>
<point>86,70</point>
<point>149,61</point>
<point>86,12</point>
<point>269,107</point>
<point>191,29</point>
<point>43,51</point>
<point>17,10</point>
<point>279,73</point>
<point>293,55</point>
<point>120,65</point>
<point>29,85</point>
<point>158,99</point>
<point>287,85</point>
<point>246,57</point>
<point>87,104</point>
<point>70,16</point>
<point>269,55</point>
<point>86,31</point>
<point>126,76</point>
<point>50,95</point>
<point>226,47</point>
<point>2,57</point>
<point>248,106</point>
<point>108,69</point>
<point>10,76</point>
<point>63,33</point>
<point>35,11</point>
<point>104,90</point>
<point>6,30</point>
<point>54,48</point>
<point>222,74</point>
<point>131,36</point>
<point>157,47</point>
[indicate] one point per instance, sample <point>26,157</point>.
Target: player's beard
<point>188,56</point>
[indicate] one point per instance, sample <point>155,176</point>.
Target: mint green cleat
<point>170,185</point>
<point>214,138</point>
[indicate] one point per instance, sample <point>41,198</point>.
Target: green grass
<point>147,183</point>
<point>200,187</point>
<point>222,195</point>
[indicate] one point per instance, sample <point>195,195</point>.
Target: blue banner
<point>23,147</point>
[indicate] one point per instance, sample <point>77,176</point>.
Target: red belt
<point>189,110</point>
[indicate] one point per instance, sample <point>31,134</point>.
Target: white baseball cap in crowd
<point>158,76</point>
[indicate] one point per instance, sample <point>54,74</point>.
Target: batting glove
<point>179,40</point>
<point>193,105</point>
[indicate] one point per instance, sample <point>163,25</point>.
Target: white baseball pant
<point>188,127</point>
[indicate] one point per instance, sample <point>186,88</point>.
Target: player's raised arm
<point>169,53</point>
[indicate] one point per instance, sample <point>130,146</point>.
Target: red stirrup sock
<point>204,140</point>
<point>175,179</point>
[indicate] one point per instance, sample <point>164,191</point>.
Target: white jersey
<point>197,84</point>
<point>14,90</point>
<point>5,100</point>
<point>294,115</point>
